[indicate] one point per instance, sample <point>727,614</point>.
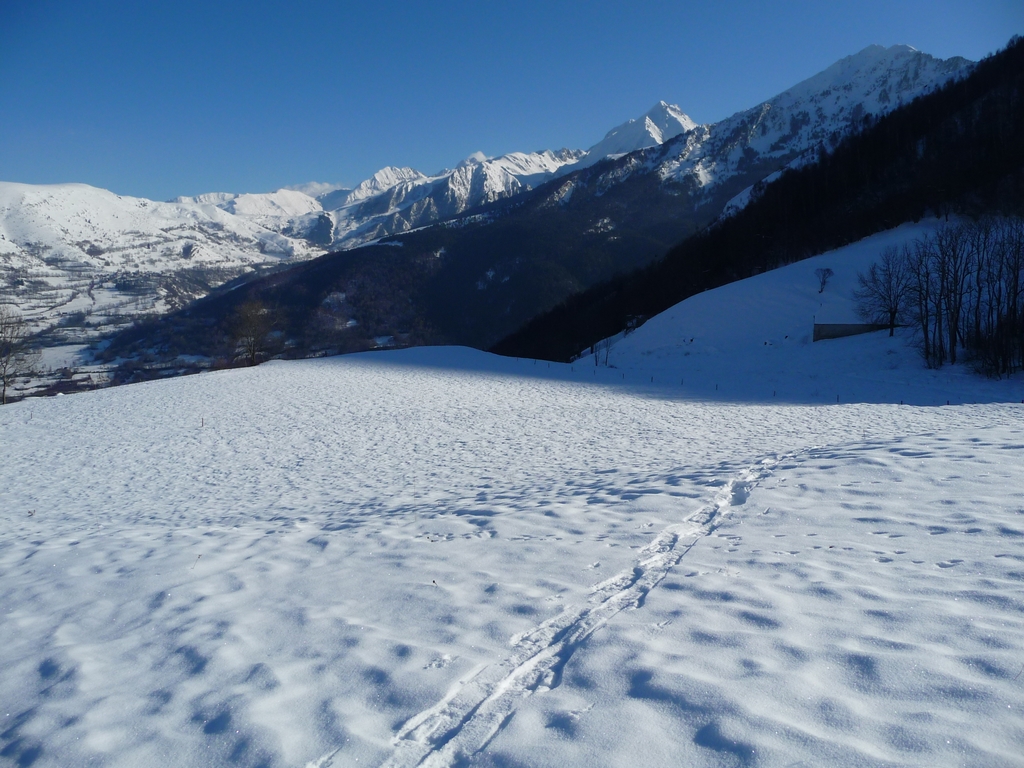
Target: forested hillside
<point>959,149</point>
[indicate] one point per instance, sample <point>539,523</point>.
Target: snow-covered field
<point>439,557</point>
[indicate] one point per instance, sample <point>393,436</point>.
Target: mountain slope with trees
<point>476,278</point>
<point>959,149</point>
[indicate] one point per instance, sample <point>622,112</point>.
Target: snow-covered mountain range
<point>74,250</point>
<point>817,112</point>
<point>790,127</point>
<point>399,199</point>
<point>71,254</point>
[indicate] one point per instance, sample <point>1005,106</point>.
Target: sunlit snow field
<point>439,557</point>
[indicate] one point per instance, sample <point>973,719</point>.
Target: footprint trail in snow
<point>475,710</point>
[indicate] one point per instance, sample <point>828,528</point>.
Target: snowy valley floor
<point>441,558</point>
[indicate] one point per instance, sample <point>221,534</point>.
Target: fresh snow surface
<point>439,557</point>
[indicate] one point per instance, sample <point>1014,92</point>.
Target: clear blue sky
<point>161,98</point>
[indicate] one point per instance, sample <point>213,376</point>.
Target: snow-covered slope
<point>383,180</point>
<point>287,211</point>
<point>437,557</point>
<point>752,340</point>
<point>283,203</point>
<point>72,249</point>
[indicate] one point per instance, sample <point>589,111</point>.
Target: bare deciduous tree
<point>14,350</point>
<point>923,291</point>
<point>251,327</point>
<point>823,274</point>
<point>884,292</point>
<point>964,292</point>
<point>954,251</point>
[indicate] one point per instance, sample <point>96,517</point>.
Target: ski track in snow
<point>469,717</point>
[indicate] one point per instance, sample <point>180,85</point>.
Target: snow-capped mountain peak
<point>282,203</point>
<point>384,179</point>
<point>877,77</point>
<point>660,123</point>
<point>317,188</point>
<point>817,112</point>
<point>474,159</point>
<point>665,121</point>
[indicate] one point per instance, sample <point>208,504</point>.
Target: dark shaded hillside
<point>960,148</point>
<point>471,280</point>
<point>313,306</point>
